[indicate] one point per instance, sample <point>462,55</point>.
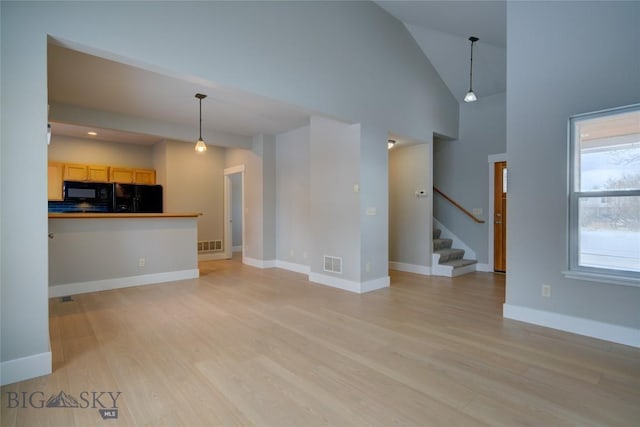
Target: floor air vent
<point>210,246</point>
<point>333,264</point>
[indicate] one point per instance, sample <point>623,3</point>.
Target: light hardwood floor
<point>243,346</point>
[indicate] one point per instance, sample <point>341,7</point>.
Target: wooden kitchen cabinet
<point>80,172</point>
<point>144,176</point>
<point>97,173</point>
<point>121,175</point>
<point>75,172</point>
<point>132,176</point>
<point>55,176</point>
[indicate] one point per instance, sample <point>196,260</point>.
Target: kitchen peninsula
<point>91,252</point>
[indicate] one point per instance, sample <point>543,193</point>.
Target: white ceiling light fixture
<point>470,96</point>
<point>201,147</point>
<point>390,143</point>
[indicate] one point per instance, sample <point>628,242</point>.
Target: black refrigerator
<point>137,198</point>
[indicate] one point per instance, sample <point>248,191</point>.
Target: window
<point>604,196</point>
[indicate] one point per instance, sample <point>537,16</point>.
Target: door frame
<point>228,231</point>
<point>493,159</point>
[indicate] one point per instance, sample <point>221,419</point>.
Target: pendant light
<point>470,96</point>
<point>200,145</point>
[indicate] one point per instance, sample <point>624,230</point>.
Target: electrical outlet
<point>141,262</point>
<point>546,291</point>
<point>292,253</point>
<point>367,267</point>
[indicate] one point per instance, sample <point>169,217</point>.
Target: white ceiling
<point>87,81</point>
<point>441,29</point>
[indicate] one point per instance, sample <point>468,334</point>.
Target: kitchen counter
<point>80,215</point>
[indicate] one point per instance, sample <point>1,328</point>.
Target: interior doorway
<point>500,217</point>
<point>498,213</point>
<point>234,224</point>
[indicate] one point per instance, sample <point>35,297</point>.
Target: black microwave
<point>88,192</point>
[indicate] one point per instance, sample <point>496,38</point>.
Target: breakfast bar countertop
<point>81,215</point>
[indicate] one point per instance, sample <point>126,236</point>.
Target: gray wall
<point>195,183</point>
<point>84,150</point>
<point>259,196</point>
<point>236,209</point>
<point>586,59</point>
<point>334,206</point>
<point>345,59</point>
<point>166,244</point>
<point>293,224</point>
<point>409,216</point>
<point>461,169</point>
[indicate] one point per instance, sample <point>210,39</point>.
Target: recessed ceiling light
<point>92,133</point>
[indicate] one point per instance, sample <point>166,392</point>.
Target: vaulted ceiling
<point>440,28</point>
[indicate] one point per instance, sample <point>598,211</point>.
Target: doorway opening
<point>498,212</point>
<point>234,227</point>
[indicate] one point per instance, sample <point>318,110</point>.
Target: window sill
<point>603,278</point>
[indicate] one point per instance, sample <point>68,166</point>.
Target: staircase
<point>448,261</point>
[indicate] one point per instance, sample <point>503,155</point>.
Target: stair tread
<point>439,244</point>
<point>449,251</point>
<point>457,263</point>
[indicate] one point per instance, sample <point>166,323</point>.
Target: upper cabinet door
<point>122,175</point>
<point>75,172</point>
<point>98,173</point>
<point>55,176</point>
<point>144,176</point>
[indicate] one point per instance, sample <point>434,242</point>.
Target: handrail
<point>454,203</point>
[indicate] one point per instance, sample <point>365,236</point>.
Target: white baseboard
<point>236,248</point>
<point>577,325</point>
<point>120,282</point>
<point>292,266</point>
<point>410,268</point>
<point>25,368</point>
<point>375,284</point>
<point>441,270</point>
<point>349,285</point>
<point>212,256</point>
<point>484,268</point>
<point>455,272</point>
<point>259,263</point>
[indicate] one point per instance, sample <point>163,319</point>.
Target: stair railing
<point>457,205</point>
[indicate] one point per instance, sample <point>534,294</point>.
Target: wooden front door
<point>500,217</point>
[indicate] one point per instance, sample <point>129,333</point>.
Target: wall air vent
<point>333,264</point>
<point>210,246</point>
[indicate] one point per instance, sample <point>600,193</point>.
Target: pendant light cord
<point>473,40</point>
<point>200,118</point>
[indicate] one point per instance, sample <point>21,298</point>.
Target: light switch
<point>356,188</point>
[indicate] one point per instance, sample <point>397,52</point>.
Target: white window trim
<point>575,271</point>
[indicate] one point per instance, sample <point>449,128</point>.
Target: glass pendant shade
<point>470,97</point>
<point>201,147</point>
